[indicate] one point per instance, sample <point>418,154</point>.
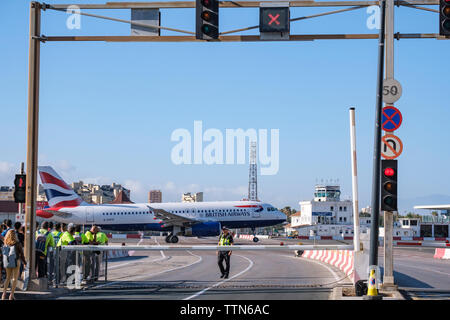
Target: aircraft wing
<point>171,219</point>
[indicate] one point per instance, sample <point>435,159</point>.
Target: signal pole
<point>373,257</point>
<point>32,135</point>
<point>388,276</point>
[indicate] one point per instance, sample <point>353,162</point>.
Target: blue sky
<point>107,110</point>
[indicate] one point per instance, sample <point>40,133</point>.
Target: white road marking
<point>131,253</point>
<point>223,281</point>
<point>162,252</point>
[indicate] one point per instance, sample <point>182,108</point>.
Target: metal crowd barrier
<point>67,267</point>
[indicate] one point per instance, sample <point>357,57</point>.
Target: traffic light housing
<point>19,188</point>
<point>444,17</point>
<point>207,19</point>
<point>274,19</point>
<point>389,176</point>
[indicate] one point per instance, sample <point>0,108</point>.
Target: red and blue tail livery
<point>58,193</point>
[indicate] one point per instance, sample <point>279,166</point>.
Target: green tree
<point>411,215</point>
<point>364,214</point>
<point>288,212</point>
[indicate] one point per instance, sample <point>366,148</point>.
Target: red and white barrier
<point>420,239</point>
<point>342,259</point>
<point>436,239</point>
<point>250,237</point>
<point>117,254</point>
<point>246,236</point>
<point>324,237</point>
<point>428,244</point>
<point>442,253</point>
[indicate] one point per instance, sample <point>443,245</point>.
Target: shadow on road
<point>405,281</point>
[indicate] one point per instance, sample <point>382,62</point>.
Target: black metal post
<point>373,259</point>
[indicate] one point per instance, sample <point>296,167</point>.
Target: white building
<point>296,219</point>
<point>6,193</point>
<point>325,208</point>
<point>326,215</point>
<point>424,227</point>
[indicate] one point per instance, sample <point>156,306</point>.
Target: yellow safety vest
<point>224,240</point>
<point>102,238</point>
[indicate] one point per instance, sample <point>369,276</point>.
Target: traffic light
<point>19,188</point>
<point>444,17</point>
<point>207,19</point>
<point>389,185</point>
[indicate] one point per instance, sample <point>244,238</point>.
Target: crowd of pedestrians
<point>48,238</point>
<point>13,258</point>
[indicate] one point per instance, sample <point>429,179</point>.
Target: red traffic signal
<point>389,172</point>
<point>20,188</point>
<point>389,185</point>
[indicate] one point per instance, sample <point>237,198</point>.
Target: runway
<point>255,275</point>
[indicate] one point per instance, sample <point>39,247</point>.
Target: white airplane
<point>189,219</point>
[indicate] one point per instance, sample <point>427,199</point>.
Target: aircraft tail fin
<point>59,193</point>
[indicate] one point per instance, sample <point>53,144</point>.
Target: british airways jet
<point>187,219</point>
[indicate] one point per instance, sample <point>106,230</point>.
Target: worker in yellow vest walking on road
<point>225,239</point>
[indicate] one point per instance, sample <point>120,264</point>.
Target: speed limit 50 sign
<point>392,90</point>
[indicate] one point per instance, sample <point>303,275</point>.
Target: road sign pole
<point>373,257</point>
<point>388,276</point>
<point>389,39</point>
<point>32,135</point>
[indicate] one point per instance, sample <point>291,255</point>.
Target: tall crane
<point>253,174</point>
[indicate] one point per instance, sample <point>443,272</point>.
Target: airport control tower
<point>326,207</point>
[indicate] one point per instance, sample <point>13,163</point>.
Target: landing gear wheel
<point>255,239</point>
<point>169,239</point>
<point>174,239</point>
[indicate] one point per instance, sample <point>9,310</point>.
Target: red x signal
<point>274,19</point>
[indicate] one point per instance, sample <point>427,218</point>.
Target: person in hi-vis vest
<point>225,239</point>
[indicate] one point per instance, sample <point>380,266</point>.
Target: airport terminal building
<point>326,214</point>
